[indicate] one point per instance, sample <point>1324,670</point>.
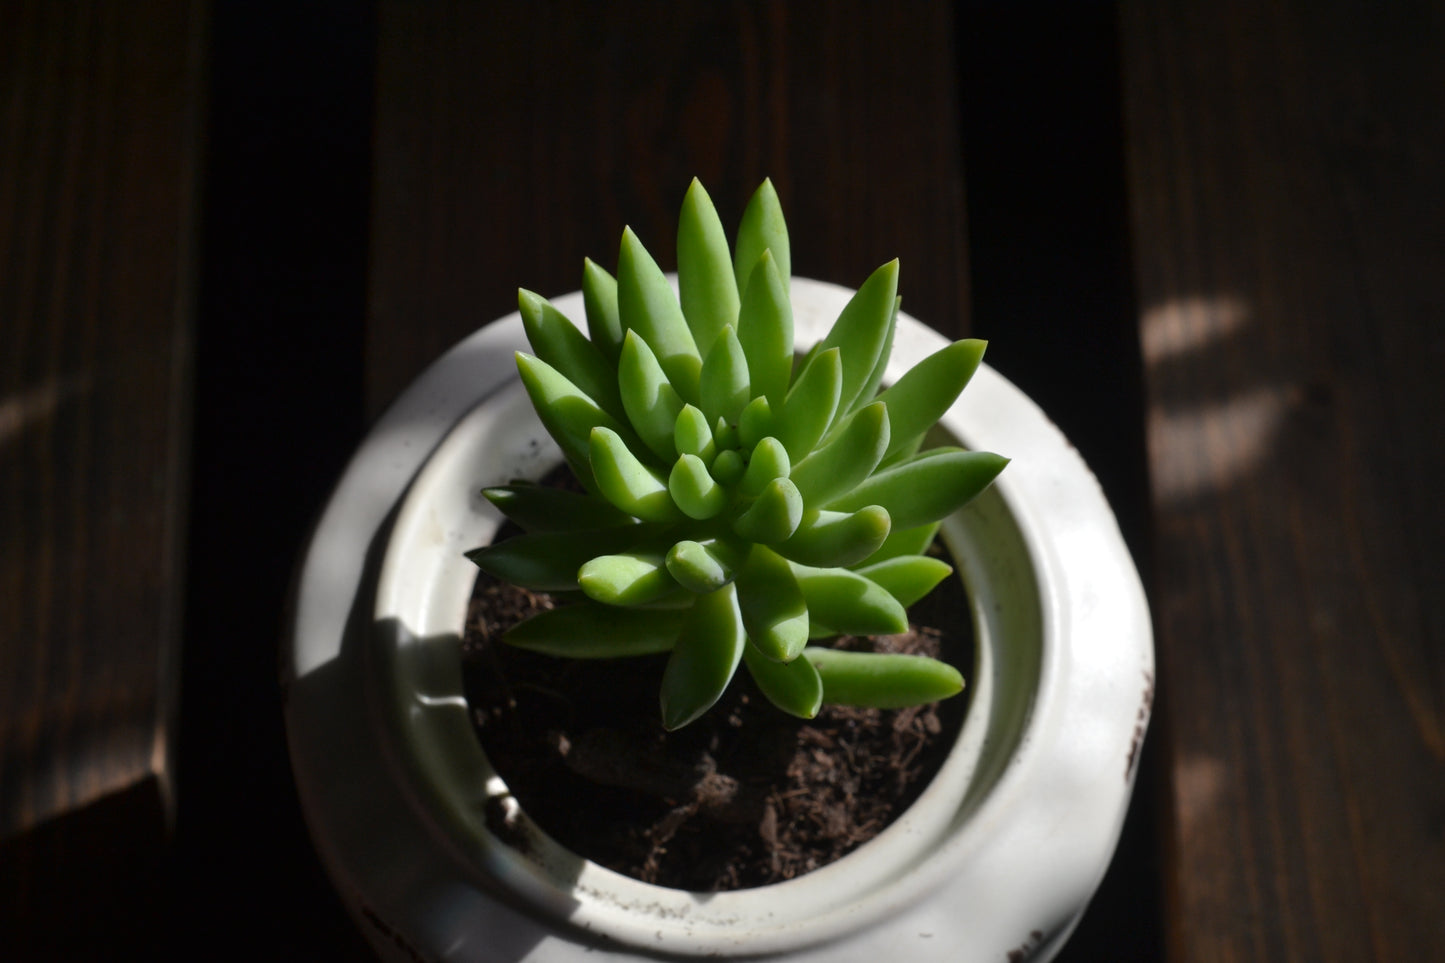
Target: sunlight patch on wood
<point>1213,446</point>
<point>1185,325</point>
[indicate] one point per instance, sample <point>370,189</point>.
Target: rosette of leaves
<point>737,503</point>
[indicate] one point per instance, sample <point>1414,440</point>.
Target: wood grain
<point>98,143</point>
<point>1285,163</point>
<point>514,140</point>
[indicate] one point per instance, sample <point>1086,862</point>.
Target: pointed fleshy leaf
<point>901,452</point>
<point>651,403</point>
<point>707,288</point>
<point>549,561</point>
<point>882,680</point>
<point>599,301</point>
<point>930,487</point>
<point>725,377</point>
<point>765,330</point>
<point>648,306</point>
<point>537,508</point>
<point>567,413</point>
<point>626,482</point>
<point>880,367</point>
<point>728,467</point>
<point>904,541</point>
<point>708,650</point>
<point>773,515</point>
<point>927,390</point>
<point>691,434</point>
<point>775,612</point>
<point>626,578</point>
<point>811,404</point>
<point>907,578</point>
<point>848,602</point>
<point>556,340</point>
<point>769,461</point>
<point>707,565</point>
<point>589,630</point>
<point>763,228</point>
<point>725,433</point>
<point>836,539</point>
<point>845,459</point>
<point>693,490</point>
<point>861,330</point>
<point>795,687</point>
<point>755,423</point>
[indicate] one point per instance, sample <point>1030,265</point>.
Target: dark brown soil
<point>747,795</point>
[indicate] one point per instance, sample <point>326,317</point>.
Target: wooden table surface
<point>1207,237</point>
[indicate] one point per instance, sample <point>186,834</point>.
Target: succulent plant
<point>737,502</point>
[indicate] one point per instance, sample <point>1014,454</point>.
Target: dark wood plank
<point>1286,160</point>
<point>99,131</point>
<point>98,140</point>
<point>513,140</point>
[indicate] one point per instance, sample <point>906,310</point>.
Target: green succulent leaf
<point>651,402</point>
<point>795,687</point>
<point>847,458</point>
<point>907,578</point>
<point>708,650</point>
<point>725,377</point>
<point>589,630</point>
<point>932,486</point>
<point>811,404</point>
<point>837,539</point>
<point>756,422</point>
<point>849,603</point>
<point>627,578</point>
<point>648,306</point>
<point>707,287</point>
<point>567,413</point>
<point>728,467</point>
<point>763,228</point>
<point>693,490</point>
<point>880,367</point>
<point>626,482</point>
<point>691,434</point>
<point>556,340</point>
<point>775,613</point>
<point>549,561</point>
<point>769,461</point>
<point>817,630</point>
<point>904,541</point>
<point>901,452</point>
<point>537,508</point>
<point>765,329</point>
<point>773,515</point>
<point>599,300</point>
<point>922,396</point>
<point>707,565</point>
<point>861,330</point>
<point>882,680</point>
<point>725,433</point>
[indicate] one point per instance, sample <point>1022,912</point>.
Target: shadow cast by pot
<point>380,812</point>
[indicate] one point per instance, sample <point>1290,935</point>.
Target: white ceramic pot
<point>996,860</point>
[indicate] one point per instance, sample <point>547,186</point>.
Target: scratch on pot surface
<point>1141,726</point>
<point>1027,948</point>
